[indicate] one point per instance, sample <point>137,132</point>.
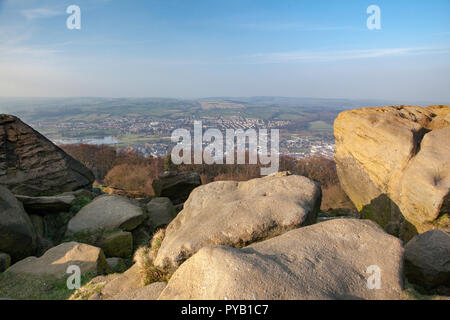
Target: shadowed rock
<point>176,186</point>
<point>427,259</point>
<point>17,235</point>
<point>32,165</point>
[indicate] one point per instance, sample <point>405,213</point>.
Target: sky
<point>206,48</point>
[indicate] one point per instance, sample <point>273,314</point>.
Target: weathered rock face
<point>17,235</point>
<point>394,164</point>
<point>329,260</point>
<point>427,259</point>
<point>56,261</point>
<point>238,213</point>
<point>107,213</point>
<point>176,186</point>
<point>32,165</point>
<point>149,292</point>
<point>129,280</point>
<point>160,213</point>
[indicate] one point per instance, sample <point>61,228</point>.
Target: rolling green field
<point>79,118</point>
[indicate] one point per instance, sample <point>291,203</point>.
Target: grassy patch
<point>320,125</point>
<point>31,287</point>
<point>144,258</point>
<point>92,287</point>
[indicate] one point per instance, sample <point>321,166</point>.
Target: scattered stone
<point>17,235</point>
<point>338,259</point>
<point>238,213</point>
<point>107,212</point>
<point>118,244</point>
<point>393,164</point>
<point>176,186</point>
<point>32,165</point>
<point>160,213</point>
<point>56,261</point>
<point>427,259</point>
<point>5,261</point>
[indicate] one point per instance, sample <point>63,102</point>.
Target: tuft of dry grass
<point>144,257</point>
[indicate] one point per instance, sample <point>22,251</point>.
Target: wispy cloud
<point>333,55</point>
<point>40,13</point>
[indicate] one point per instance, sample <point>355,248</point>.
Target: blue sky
<point>201,48</point>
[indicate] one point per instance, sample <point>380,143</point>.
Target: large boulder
<point>160,213</point>
<point>56,261</point>
<point>32,165</point>
<point>394,164</point>
<point>427,259</point>
<point>17,235</point>
<point>176,186</point>
<point>338,259</point>
<point>238,213</point>
<point>108,212</point>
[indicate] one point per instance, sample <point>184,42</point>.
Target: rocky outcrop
<point>176,186</point>
<point>238,213</point>
<point>17,235</point>
<point>56,261</point>
<point>427,259</point>
<point>160,213</point>
<point>108,212</point>
<point>394,164</point>
<point>32,165</point>
<point>337,259</point>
